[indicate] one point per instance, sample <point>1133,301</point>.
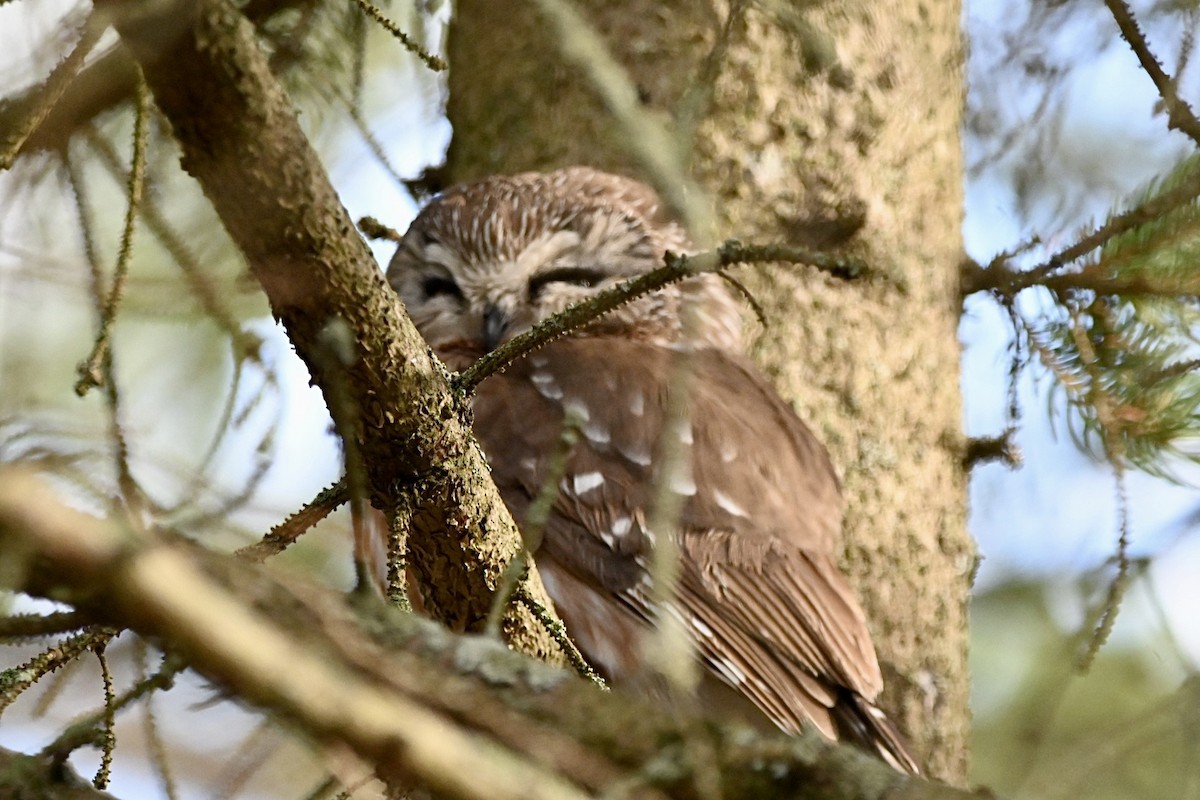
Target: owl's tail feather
<point>863,723</point>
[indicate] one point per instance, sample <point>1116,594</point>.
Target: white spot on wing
<point>637,404</point>
<point>684,429</point>
<point>621,526</point>
<point>546,386</point>
<point>682,483</point>
<point>602,651</point>
<point>575,408</point>
<point>637,453</point>
<point>596,433</point>
<point>728,452</point>
<point>726,503</point>
<point>701,628</point>
<point>585,482</point>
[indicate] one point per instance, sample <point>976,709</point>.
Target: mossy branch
<point>240,139</point>
<point>675,268</point>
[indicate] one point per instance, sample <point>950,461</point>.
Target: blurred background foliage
<point>1063,132</point>
<point>1125,728</point>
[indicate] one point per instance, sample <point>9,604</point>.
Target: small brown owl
<point>773,621</point>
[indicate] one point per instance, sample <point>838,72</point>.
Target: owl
<point>773,622</point>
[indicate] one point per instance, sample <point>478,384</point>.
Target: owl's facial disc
<point>485,262</point>
<point>546,292</point>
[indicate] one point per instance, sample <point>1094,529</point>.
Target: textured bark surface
<point>834,125</point>
<point>239,138</point>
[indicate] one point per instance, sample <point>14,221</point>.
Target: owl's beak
<point>495,323</point>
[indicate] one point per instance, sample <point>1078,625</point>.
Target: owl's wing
<point>761,511</point>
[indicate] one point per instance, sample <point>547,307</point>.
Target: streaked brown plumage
<point>760,518</point>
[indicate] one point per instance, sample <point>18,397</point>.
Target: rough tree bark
<point>832,125</point>
<point>240,139</point>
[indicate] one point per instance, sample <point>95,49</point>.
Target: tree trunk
<point>831,126</point>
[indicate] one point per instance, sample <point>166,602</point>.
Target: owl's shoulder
<point>750,461</point>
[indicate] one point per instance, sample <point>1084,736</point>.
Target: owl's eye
<point>575,276</point>
<point>441,287</point>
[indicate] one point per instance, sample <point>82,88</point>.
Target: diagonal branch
<point>649,139</point>
<point>45,100</point>
<point>100,86</point>
<point>675,268</point>
<point>240,139</point>
<point>1180,116</point>
<point>433,62</point>
<point>1006,282</point>
<point>461,714</point>
<point>999,276</point>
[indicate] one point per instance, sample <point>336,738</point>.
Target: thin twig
<point>30,626</point>
<point>156,747</point>
<point>129,491</point>
<point>90,375</point>
<point>246,343</point>
<point>358,67</point>
<point>1120,582</point>
<point>535,522</point>
<point>84,732</point>
<point>334,356</point>
<point>675,268</point>
<point>514,572</point>
<point>647,137</point>
<point>276,540</point>
<point>16,680</point>
<point>54,687</point>
<point>253,751</point>
<point>666,646</point>
<point>1180,116</point>
<point>1002,278</point>
<point>52,90</point>
<point>759,312</point>
<point>697,100</point>
<point>433,62</point>
<point>107,739</point>
<point>373,144</point>
<point>558,632</point>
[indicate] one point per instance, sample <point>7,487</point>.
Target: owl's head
<point>484,262</point>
